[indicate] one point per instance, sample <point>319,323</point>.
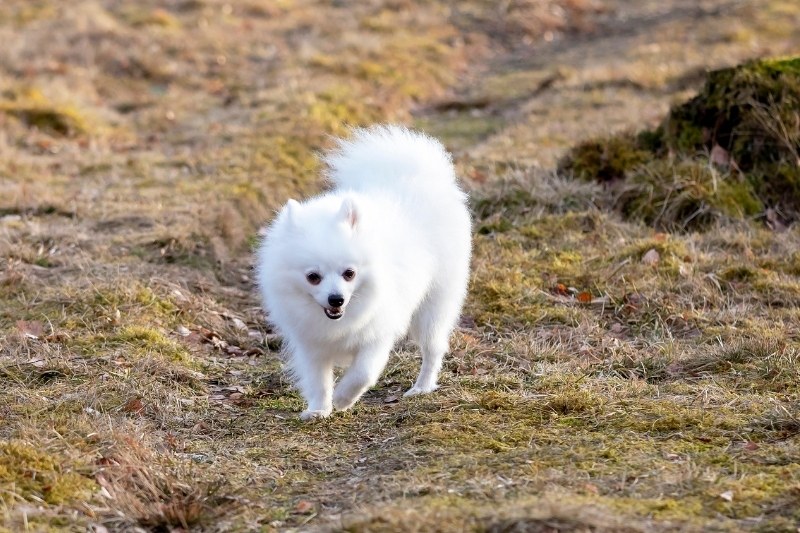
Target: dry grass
<point>142,144</point>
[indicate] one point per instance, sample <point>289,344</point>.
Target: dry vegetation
<point>615,371</point>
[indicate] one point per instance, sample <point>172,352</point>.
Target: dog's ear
<point>349,213</point>
<point>292,206</point>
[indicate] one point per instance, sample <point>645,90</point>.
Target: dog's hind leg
<point>430,329</point>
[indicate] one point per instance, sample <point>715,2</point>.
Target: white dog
<point>346,274</point>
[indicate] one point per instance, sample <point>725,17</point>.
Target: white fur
<point>395,216</point>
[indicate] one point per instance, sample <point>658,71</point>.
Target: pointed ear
<point>291,208</point>
<point>349,213</point>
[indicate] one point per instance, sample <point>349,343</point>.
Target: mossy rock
<point>744,110</point>
<point>745,121</point>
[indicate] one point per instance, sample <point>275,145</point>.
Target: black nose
<point>335,300</point>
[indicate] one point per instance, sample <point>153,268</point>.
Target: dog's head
<point>325,252</point>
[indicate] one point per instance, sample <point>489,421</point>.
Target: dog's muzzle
<point>334,313</point>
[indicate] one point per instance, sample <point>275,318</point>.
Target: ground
<point>608,374</point>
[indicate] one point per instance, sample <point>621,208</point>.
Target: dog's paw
<point>308,414</point>
<point>416,390</point>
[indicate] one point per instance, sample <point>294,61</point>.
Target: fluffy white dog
<point>346,274</point>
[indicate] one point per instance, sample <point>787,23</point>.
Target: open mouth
<point>334,313</point>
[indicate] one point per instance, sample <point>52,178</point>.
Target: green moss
<point>136,341</point>
<point>64,121</point>
<point>746,116</point>
<point>35,110</point>
<point>460,130</point>
<point>727,111</point>
<point>574,402</point>
<point>499,226</point>
<point>607,158</point>
<point>150,17</point>
<point>29,472</point>
<point>685,195</point>
<point>739,273</point>
<point>339,107</point>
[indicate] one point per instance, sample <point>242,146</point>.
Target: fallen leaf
<point>651,258</point>
<point>720,156</point>
<point>727,495</point>
<point>134,405</point>
<point>304,507</point>
<point>32,329</point>
<point>478,176</point>
<point>183,331</point>
<point>230,349</point>
<point>393,398</point>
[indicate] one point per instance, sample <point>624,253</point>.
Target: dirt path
<point>621,72</point>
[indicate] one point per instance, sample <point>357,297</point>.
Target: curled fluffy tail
<point>389,157</point>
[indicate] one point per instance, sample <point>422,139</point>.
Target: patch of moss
<point>729,112</point>
<point>574,402</point>
<point>605,159</point>
<point>29,472</point>
<point>688,194</point>
<point>744,120</point>
<point>62,121</point>
<point>340,107</point>
<point>150,17</point>
<point>136,341</point>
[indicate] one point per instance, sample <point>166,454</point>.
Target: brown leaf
<point>134,405</point>
<point>392,398</point>
<point>304,507</point>
<point>584,297</point>
<point>32,329</point>
<point>652,257</point>
<point>720,156</point>
<point>233,350</point>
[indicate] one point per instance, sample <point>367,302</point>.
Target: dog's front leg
<point>362,374</point>
<point>315,381</point>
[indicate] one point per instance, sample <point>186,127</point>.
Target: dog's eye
<point>313,278</point>
<point>349,274</point>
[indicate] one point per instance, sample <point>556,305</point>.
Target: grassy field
<point>612,372</point>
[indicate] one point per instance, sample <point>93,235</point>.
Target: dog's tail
<point>390,157</point>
